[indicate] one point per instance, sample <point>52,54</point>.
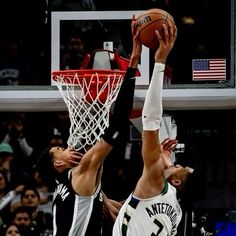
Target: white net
<point>89,100</point>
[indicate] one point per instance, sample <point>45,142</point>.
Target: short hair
<point>21,209</point>
<point>183,176</point>
<point>29,187</point>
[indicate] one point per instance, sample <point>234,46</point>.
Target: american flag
<point>209,69</point>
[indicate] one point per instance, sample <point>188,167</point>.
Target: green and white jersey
<point>156,216</point>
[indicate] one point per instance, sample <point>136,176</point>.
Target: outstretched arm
<point>151,181</point>
<point>88,170</point>
<point>124,102</point>
<point>152,110</point>
<point>111,208</point>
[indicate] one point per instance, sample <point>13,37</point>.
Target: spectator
<point>39,179</point>
<point>6,196</point>
<point>74,52</point>
<point>13,67</point>
<point>4,188</point>
<point>44,188</point>
<point>14,173</point>
<point>10,230</point>
<point>5,200</point>
<point>16,135</point>
<point>6,157</point>
<point>30,198</point>
<point>23,219</point>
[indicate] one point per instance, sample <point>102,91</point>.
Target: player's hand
<point>137,46</point>
<point>74,157</point>
<point>111,208</point>
<point>19,189</point>
<point>168,145</point>
<point>166,42</point>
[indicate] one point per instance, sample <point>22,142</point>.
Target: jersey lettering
<point>167,209</point>
<point>62,191</point>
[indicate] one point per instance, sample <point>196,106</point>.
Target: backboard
<point>174,97</point>
<point>58,18</point>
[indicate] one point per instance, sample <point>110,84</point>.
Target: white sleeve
<point>152,109</point>
<point>7,199</point>
<point>25,147</point>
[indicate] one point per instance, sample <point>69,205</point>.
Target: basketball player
<point>153,208</point>
<point>78,199</point>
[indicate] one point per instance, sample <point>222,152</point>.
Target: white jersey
<point>159,215</point>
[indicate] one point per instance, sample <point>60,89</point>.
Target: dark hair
<point>20,210</point>
<point>4,228</point>
<point>29,187</point>
<point>7,189</point>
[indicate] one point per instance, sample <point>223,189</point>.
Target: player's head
<point>177,175</point>
<point>54,160</point>
<point>61,158</point>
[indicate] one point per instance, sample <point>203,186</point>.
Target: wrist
<point>131,72</point>
<point>134,60</point>
<point>159,66</point>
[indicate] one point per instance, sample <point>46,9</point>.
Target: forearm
<point>152,109</point>
<point>123,106</point>
<point>124,102</point>
<point>25,147</point>
<point>111,209</point>
<point>134,59</point>
<point>7,199</point>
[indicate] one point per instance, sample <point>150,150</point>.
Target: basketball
<point>148,22</point>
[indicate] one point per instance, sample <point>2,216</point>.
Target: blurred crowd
<point>25,189</point>
<point>26,186</point>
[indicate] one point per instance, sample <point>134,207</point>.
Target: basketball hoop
<point>89,95</point>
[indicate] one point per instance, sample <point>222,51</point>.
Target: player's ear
<point>175,182</point>
<point>57,164</point>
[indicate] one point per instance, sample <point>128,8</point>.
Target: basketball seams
<point>150,26</point>
<point>148,22</point>
<point>165,18</point>
<point>152,15</point>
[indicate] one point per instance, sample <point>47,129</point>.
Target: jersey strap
<point>128,213</point>
<point>165,189</point>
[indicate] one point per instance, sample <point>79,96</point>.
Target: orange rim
<point>84,73</point>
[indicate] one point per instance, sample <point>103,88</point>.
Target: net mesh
<point>89,98</point>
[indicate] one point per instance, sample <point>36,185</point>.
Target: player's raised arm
<point>119,119</point>
<point>152,109</point>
